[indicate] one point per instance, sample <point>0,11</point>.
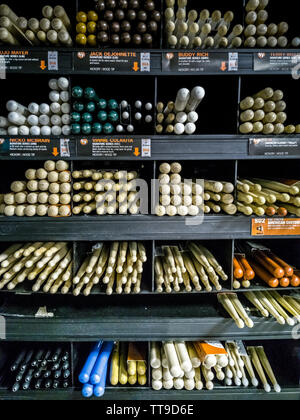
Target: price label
<point>274,147</point>
<point>200,62</point>
<point>275,227</point>
<point>112,61</point>
<point>36,148</point>
<point>30,61</point>
<point>125,147</point>
<point>276,61</point>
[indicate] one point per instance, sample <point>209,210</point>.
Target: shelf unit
<point>138,318</point>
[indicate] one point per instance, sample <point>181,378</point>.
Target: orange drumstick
<point>265,276</point>
<point>284,282</point>
<point>238,271</point>
<point>270,211</point>
<point>288,270</point>
<point>249,273</point>
<point>295,281</point>
<point>269,264</point>
<point>282,212</point>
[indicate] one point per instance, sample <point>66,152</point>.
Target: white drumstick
<point>197,95</point>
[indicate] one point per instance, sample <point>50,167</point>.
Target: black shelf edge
<point>92,228</point>
<point>147,394</point>
<point>126,228</point>
<point>66,61</point>
<point>184,148</point>
<point>143,328</point>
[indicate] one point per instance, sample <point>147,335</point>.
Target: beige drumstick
<point>257,364</point>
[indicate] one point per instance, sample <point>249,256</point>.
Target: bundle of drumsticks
<point>268,303</point>
<point>195,365</point>
<point>262,263</point>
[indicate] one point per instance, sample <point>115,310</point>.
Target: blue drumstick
<point>101,363</point>
<point>87,391</point>
<point>85,374</point>
<point>99,389</point>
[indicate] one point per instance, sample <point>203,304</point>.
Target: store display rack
<point>149,316</point>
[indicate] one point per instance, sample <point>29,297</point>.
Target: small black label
<point>112,61</point>
<point>37,148</point>
<point>125,147</point>
<point>277,61</point>
<point>197,62</point>
<point>274,147</point>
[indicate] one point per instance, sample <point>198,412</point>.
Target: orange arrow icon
<point>43,65</point>
<point>136,66</point>
<point>55,152</point>
<point>223,66</point>
<point>136,152</point>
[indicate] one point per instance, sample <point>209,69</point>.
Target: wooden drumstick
<point>10,251</point>
<point>240,310</point>
<point>279,309</point>
<point>283,301</point>
<point>257,364</point>
<point>202,274</point>
<point>60,13</point>
<point>228,306</point>
<point>250,370</point>
<point>267,304</point>
<point>266,364</point>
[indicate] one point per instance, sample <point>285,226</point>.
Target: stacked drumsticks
<point>268,303</point>
<point>120,266</point>
<point>264,113</point>
<point>180,117</point>
<point>267,266</point>
<point>132,23</point>
<point>176,195</point>
<point>48,266</point>
<point>45,192</point>
<point>105,192</point>
<point>40,119</point>
<point>262,196</point>
<point>127,365</point>
<point>218,197</point>
<point>176,270</point>
<point>195,365</point>
<point>187,197</point>
<point>200,30</point>
<point>53,29</point>
<point>258,33</point>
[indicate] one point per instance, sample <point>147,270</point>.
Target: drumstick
<point>202,274</point>
<point>226,303</point>
<point>259,368</point>
<point>266,364</point>
<point>252,5</point>
<point>280,310</point>
<point>240,310</point>
<point>284,302</point>
<point>203,17</point>
<point>266,303</point>
<point>248,364</point>
<point>172,359</point>
<point>183,356</point>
